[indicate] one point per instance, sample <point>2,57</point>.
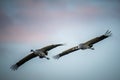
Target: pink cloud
<point>21,34</point>
<point>44,20</point>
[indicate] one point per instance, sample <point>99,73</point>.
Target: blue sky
<point>32,24</point>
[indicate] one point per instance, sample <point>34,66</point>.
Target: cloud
<point>20,34</point>
<point>5,21</point>
<point>27,20</point>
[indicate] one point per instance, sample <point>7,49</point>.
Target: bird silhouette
<point>87,45</point>
<point>41,53</point>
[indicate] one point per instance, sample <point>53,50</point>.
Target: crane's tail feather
<point>56,56</point>
<point>14,67</point>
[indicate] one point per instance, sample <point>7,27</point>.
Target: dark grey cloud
<point>5,21</point>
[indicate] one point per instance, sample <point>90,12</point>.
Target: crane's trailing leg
<point>92,48</point>
<point>47,58</point>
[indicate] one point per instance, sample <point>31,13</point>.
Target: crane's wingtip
<point>61,44</point>
<point>56,57</point>
<point>108,33</point>
<point>14,67</point>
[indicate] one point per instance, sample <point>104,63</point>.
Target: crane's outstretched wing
<point>97,39</point>
<point>66,52</point>
<point>22,61</point>
<point>47,48</point>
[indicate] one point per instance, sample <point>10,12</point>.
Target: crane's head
<point>31,50</point>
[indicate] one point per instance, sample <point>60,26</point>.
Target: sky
<point>33,24</point>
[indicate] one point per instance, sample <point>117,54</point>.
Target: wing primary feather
<point>14,67</point>
<point>108,33</point>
